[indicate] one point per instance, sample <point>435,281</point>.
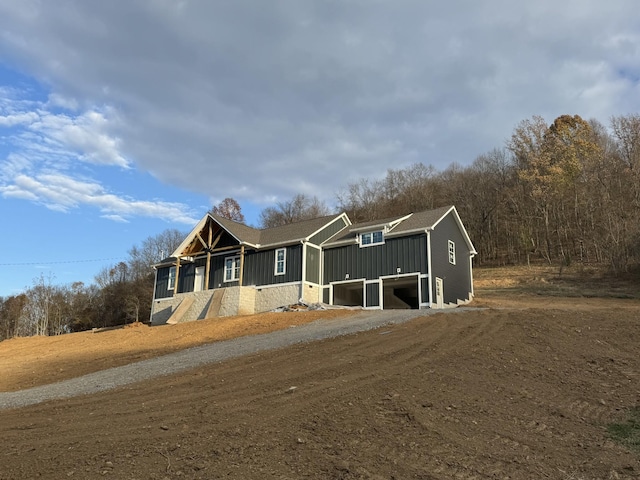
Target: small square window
<point>452,253</point>
<point>281,261</point>
<point>371,238</point>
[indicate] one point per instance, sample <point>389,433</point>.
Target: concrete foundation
<point>236,301</point>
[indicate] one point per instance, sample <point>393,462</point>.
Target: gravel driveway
<point>210,353</point>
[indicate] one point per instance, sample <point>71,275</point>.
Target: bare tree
<point>151,251</point>
<point>229,208</point>
<point>300,207</point>
<point>11,311</point>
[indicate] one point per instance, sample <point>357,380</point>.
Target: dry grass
<point>547,280</point>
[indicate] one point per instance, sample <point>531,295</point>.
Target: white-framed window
<point>232,269</point>
<point>371,238</point>
<point>171,280</point>
<point>281,262</point>
<point>452,252</point>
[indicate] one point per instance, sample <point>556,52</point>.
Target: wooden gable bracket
<point>208,266</point>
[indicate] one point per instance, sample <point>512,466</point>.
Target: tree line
<point>562,193</point>
<point>122,293</point>
<point>559,193</point>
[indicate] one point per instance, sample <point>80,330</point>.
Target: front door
<point>439,293</point>
<point>198,284</point>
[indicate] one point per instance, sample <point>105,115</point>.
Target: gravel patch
<point>210,353</point>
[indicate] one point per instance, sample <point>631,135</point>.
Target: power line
<point>21,264</point>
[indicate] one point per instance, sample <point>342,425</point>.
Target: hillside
<point>526,388</point>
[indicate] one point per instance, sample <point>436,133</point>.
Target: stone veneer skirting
<point>236,301</point>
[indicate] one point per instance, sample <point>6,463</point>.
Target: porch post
<point>177,282</point>
<point>241,265</point>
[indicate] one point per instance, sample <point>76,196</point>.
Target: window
<point>281,261</point>
<point>171,281</point>
<point>231,269</point>
<point>452,253</point>
<point>371,238</point>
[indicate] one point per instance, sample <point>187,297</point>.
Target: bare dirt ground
<point>524,389</point>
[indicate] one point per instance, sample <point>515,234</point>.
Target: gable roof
<point>261,238</point>
<point>421,221</point>
<point>402,225</point>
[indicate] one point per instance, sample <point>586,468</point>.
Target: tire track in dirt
<point>480,396</point>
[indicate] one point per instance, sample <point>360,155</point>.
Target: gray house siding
<point>456,278</point>
<point>407,253</point>
<point>312,267</point>
<point>185,282</point>
<point>394,274</point>
<point>187,275</point>
<point>216,271</point>
<point>162,282</point>
<point>424,287</point>
<point>328,232</point>
<point>373,294</point>
<point>259,267</point>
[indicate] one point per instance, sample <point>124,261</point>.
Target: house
<point>419,260</point>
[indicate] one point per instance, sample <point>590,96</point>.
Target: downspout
<point>304,269</point>
<point>471,273</point>
<point>430,276</point>
<point>153,299</point>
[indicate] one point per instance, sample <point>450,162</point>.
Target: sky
<point>121,119</point>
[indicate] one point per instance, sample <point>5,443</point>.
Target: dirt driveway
<point>507,392</point>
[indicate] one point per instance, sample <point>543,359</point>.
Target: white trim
<point>451,251</point>
<point>383,226</point>
<point>303,273</point>
<point>155,284</point>
<point>372,243</point>
<point>233,270</point>
<point>275,285</point>
<point>429,269</point>
<point>199,287</point>
<point>420,278</point>
<point>400,275</point>
<point>305,250</point>
<point>342,216</point>
<point>356,280</point>
<point>348,281</point>
<point>471,276</point>
<point>192,235</point>
<point>284,262</point>
<point>171,286</point>
<point>456,217</point>
<point>371,282</point>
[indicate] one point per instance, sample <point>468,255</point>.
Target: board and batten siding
<point>162,282</point>
<point>456,278</point>
<point>407,253</point>
<point>185,282</point>
<point>373,294</point>
<point>259,266</point>
<point>312,266</point>
<point>328,232</point>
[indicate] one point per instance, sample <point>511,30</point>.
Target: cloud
<point>262,100</point>
<point>19,119</point>
<point>63,193</point>
<point>85,136</point>
<point>49,151</point>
